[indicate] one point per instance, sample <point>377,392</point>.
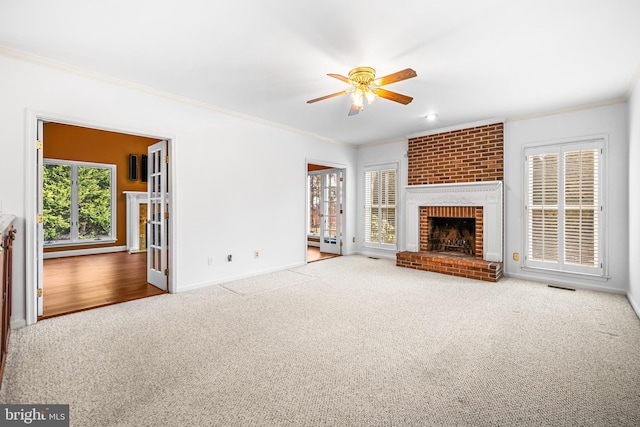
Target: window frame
<point>599,143</point>
<point>380,168</point>
<point>74,240</point>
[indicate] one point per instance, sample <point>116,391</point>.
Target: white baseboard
<point>373,253</point>
<point>634,305</point>
<point>19,323</point>
<point>569,283</point>
<point>201,285</point>
<point>78,252</point>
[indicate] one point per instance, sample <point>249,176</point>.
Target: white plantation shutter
<point>388,206</point>
<point>581,207</point>
<point>564,226</point>
<point>543,207</point>
<point>380,206</point>
<point>370,178</point>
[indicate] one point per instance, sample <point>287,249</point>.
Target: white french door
<point>331,212</point>
<point>39,220</point>
<point>157,215</point>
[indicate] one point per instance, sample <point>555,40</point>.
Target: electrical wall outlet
<point>256,254</point>
<point>229,258</point>
<point>210,261</point>
<point>516,256</point>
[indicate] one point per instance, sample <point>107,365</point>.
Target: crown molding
<point>377,143</point>
<point>46,62</point>
<point>633,83</point>
<point>457,127</point>
<point>569,109</point>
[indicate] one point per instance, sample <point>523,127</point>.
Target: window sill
<point>79,243</point>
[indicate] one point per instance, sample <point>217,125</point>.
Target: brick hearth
<point>453,265</point>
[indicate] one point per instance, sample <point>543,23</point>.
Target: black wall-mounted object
<point>133,167</point>
<point>143,168</point>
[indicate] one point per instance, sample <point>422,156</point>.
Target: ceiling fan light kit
<point>366,86</point>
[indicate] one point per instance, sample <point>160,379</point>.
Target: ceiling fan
<point>366,86</point>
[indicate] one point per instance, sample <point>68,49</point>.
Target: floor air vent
<point>561,287</point>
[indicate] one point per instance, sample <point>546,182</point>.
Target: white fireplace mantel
<point>487,194</point>
<point>134,200</point>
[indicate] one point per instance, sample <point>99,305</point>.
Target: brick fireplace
<point>453,204</point>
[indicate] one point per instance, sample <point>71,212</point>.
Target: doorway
<point>84,268</point>
<point>325,216</point>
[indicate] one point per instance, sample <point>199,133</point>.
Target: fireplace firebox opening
<point>452,235</point>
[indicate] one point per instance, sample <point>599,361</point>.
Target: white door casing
<point>39,265</point>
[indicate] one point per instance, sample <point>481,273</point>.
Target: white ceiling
<point>476,60</point>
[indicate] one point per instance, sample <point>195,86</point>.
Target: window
<point>564,207</point>
<point>315,183</point>
<point>78,202</point>
<point>380,206</point>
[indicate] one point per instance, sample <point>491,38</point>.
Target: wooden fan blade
<point>339,77</point>
<point>311,101</point>
<point>354,110</point>
<point>395,77</point>
<point>393,96</point>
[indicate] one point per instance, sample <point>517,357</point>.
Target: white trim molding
<point>635,306</point>
<point>460,126</point>
<point>134,200</point>
<point>487,194</point>
<point>80,252</point>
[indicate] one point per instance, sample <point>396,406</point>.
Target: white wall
<point>239,184</point>
<point>377,154</point>
<point>634,199</point>
<point>610,120</point>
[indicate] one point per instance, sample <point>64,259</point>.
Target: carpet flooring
<point>349,341</point>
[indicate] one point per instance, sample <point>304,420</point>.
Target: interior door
<point>157,215</point>
<point>39,219</point>
<point>331,212</point>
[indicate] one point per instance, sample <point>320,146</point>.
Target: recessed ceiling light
<point>431,117</point>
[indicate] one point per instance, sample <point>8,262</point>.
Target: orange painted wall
<point>91,145</point>
<point>312,167</point>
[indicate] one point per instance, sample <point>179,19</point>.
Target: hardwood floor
<point>314,254</point>
<point>83,282</point>
<point>80,283</point>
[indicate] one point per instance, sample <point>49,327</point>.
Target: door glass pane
<point>314,204</point>
<point>329,208</point>
<point>143,226</point>
<point>56,200</point>
<point>94,203</point>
